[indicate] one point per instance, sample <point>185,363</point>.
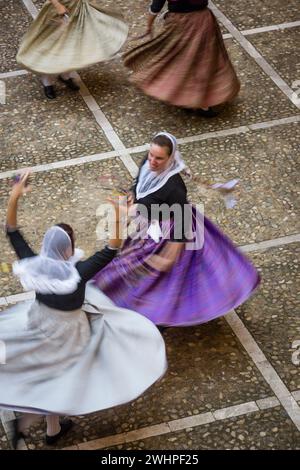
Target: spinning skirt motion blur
<point>186,64</point>
<point>203,284</point>
<point>92,34</point>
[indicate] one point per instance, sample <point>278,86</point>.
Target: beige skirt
<point>186,64</point>
<point>92,34</point>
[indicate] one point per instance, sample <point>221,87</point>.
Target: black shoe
<point>65,427</point>
<point>16,435</point>
<point>70,84</point>
<point>50,92</point>
<point>208,113</point>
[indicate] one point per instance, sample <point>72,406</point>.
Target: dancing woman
<point>63,357</point>
<point>175,270</point>
<point>187,63</point>
<point>69,35</point>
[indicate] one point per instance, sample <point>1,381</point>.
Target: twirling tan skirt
<point>93,34</point>
<point>186,64</point>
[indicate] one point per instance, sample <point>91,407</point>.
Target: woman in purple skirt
<point>176,268</point>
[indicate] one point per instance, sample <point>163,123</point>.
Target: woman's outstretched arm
<point>20,245</point>
<point>91,266</point>
<point>20,188</point>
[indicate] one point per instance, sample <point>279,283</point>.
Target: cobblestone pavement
<point>233,383</point>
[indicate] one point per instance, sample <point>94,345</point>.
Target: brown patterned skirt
<point>186,64</point>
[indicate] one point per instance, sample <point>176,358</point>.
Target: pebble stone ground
<point>233,383</point>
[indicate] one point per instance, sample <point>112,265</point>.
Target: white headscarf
<point>150,181</point>
<point>50,272</point>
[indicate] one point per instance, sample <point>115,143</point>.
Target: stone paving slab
<point>266,162</point>
<point>71,195</point>
<point>247,14</point>
<point>208,370</point>
<point>264,430</point>
<point>272,315</point>
<point>14,22</point>
<point>276,47</point>
<point>137,117</point>
<point>35,130</point>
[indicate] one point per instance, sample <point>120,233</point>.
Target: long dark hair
<point>68,229</point>
<point>163,141</point>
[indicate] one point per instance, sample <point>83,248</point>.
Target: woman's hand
<point>21,187</point>
<point>120,207</point>
<point>121,210</point>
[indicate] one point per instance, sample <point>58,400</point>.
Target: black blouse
<point>173,192</point>
<point>87,270</point>
<point>178,6</point>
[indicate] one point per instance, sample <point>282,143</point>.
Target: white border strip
<point>269,124</point>
<point>31,8</point>
<point>236,130</point>
<point>296,395</point>
<point>264,366</point>
<point>253,52</point>
<point>21,297</point>
<point>261,246</point>
<point>265,29</point>
<point>177,425</point>
<point>14,73</point>
<point>107,128</point>
<point>63,163</point>
<point>5,417</point>
<point>124,152</point>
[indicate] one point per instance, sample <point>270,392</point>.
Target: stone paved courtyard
<point>233,383</point>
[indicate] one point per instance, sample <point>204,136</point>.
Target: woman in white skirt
<point>63,355</point>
